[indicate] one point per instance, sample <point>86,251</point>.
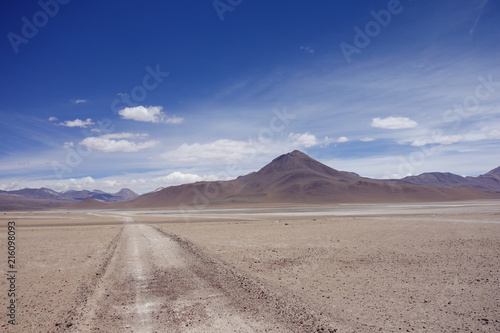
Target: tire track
<point>155,282</point>
<point>255,296</point>
<point>87,291</point>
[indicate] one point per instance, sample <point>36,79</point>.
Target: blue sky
<point>111,94</point>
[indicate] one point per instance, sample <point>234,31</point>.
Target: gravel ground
<point>427,270</point>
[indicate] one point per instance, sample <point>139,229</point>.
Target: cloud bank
<point>109,143</point>
<point>75,123</point>
<point>150,114</point>
<point>394,123</point>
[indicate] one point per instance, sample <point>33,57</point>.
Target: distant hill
<point>490,181</point>
<point>125,194</point>
<point>295,178</point>
<point>36,193</point>
<point>18,202</point>
<point>45,198</point>
<point>122,195</point>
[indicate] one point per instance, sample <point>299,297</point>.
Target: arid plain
<point>341,268</point>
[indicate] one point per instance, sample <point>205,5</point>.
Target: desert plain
<point>340,268</point>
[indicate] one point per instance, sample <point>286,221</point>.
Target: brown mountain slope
<point>294,178</point>
<point>494,173</point>
<point>443,179</point>
<point>288,169</point>
<point>490,181</point>
<point>11,202</point>
<point>199,193</point>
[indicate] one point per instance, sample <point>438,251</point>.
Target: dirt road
<point>156,283</point>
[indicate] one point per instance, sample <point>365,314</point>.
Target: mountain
<point>36,193</point>
<point>495,173</point>
<point>290,178</point>
<point>44,198</point>
<point>294,178</point>
<point>273,182</point>
<point>125,194</point>
<point>122,195</point>
<point>199,193</point>
<point>490,181</point>
<point>443,179</point>
<point>10,201</point>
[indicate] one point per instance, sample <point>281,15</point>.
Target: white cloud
<point>150,114</point>
<point>83,181</point>
<point>176,178</point>
<point>78,101</point>
<point>52,118</point>
<point>111,183</point>
<point>342,139</point>
<point>71,184</point>
<point>77,123</point>
<point>106,143</point>
<point>394,123</point>
<point>220,151</point>
<point>440,159</point>
<point>124,135</point>
<point>68,144</point>
<point>60,185</point>
<point>10,186</point>
<point>485,133</point>
<point>367,139</point>
<point>227,151</point>
<point>442,139</point>
<point>146,182</point>
<point>303,140</point>
<point>327,141</point>
<point>174,120</point>
<point>119,182</point>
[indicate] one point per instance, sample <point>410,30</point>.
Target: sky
<point>148,94</point>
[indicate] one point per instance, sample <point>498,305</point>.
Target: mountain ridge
<point>297,178</point>
<point>289,178</point>
<point>33,198</point>
<point>489,181</point>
